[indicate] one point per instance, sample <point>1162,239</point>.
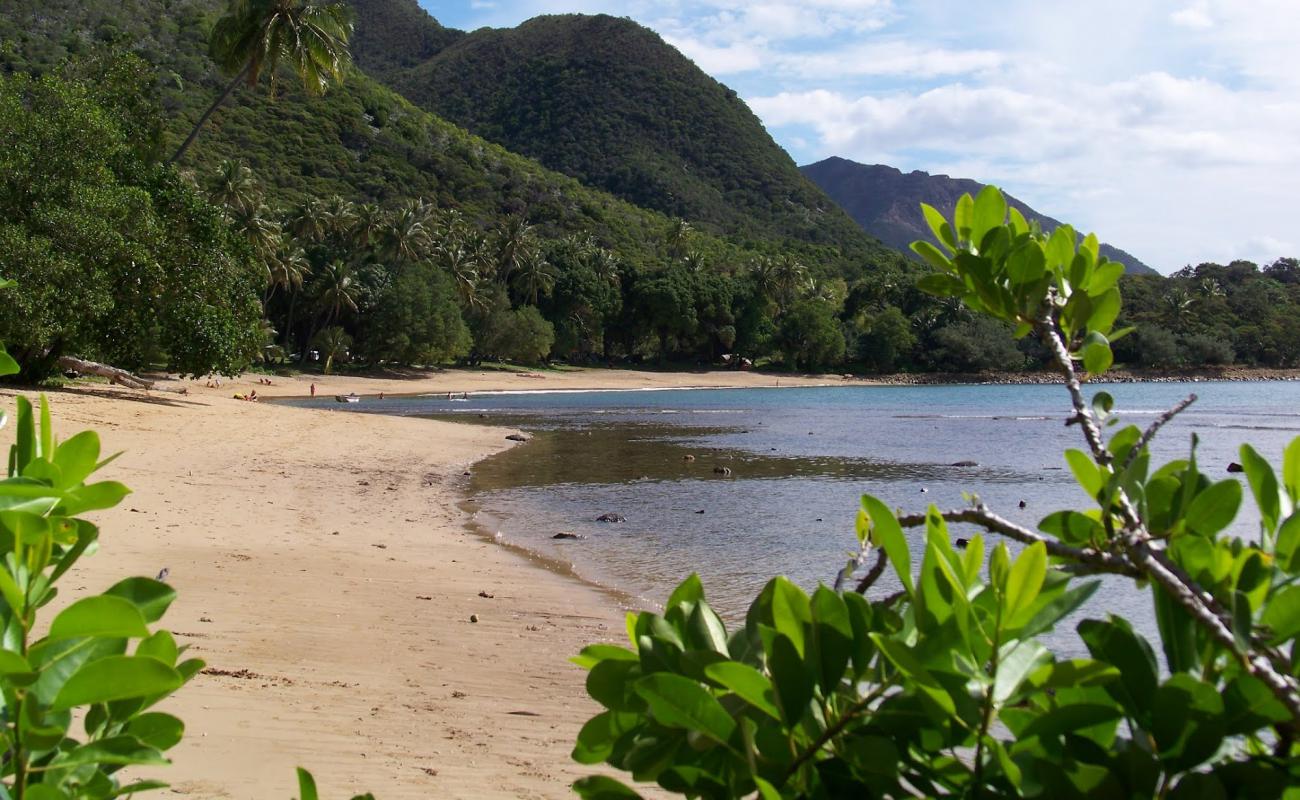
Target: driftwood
<point>118,376</point>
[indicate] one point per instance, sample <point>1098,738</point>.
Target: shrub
<point>943,688</point>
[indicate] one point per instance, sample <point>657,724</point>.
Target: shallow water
<point>799,460</point>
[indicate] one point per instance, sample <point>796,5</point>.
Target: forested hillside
<point>886,202</point>
<point>610,103</point>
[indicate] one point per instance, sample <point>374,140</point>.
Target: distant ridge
<point>610,103</point>
<point>886,202</point>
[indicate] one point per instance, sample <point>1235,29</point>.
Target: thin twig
<point>1155,427</point>
<point>873,575</point>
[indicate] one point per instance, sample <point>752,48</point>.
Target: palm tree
<point>255,225</point>
<point>787,275</point>
<point>367,225</point>
<point>254,36</point>
<point>267,350</point>
<point>233,186</point>
<point>534,276</point>
<point>333,342</point>
<point>307,222</point>
<point>293,271</point>
<point>513,237</point>
<point>336,290</point>
<point>694,261</point>
<point>462,267</point>
<point>678,232</point>
<point>407,237</point>
<point>340,216</point>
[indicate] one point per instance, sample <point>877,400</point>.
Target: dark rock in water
<point>566,535</point>
<point>961,543</point>
<point>688,457</point>
<point>1235,467</point>
<point>611,517</point>
<point>964,464</point>
<point>701,511</point>
<point>1023,504</point>
<point>722,470</point>
<point>518,437</point>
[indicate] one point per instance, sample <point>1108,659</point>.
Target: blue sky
<point>1170,127</point>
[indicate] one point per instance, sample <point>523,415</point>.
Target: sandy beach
<point>328,577</point>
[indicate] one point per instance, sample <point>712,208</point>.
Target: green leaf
<point>1113,641</point>
<point>1071,527</point>
<point>941,284</point>
<point>1061,606</point>
<point>1060,247</point>
<point>1018,222</point>
<point>76,458</point>
<point>1291,469</point>
<point>93,496</point>
<point>1105,308</point>
<point>888,535</point>
<point>1263,484</point>
<point>596,739</point>
<point>939,226</point>
<point>1086,472</point>
<point>162,646</point>
<point>1025,579</point>
<point>607,684</point>
<point>306,785</point>
<point>963,217</point>
<point>791,678</point>
<point>116,678</point>
<point>935,257</point>
<point>150,596</point>
<point>705,629</point>
<point>1288,544</point>
<point>1187,722</point>
<point>156,729</point>
<point>597,787</point>
<point>103,615</point>
<point>746,683</point>
<point>1214,508</point>
<point>1026,264</point>
<point>681,702</point>
<point>117,750</point>
<point>1015,664</point>
<point>790,611</point>
<point>690,590</point>
<point>593,654</point>
<point>1105,277</point>
<point>990,212</point>
<point>833,635</point>
<point>1282,614</point>
<point>1097,356</point>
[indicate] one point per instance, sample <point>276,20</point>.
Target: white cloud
<point>725,60</point>
<point>897,57</point>
<point>1195,16</point>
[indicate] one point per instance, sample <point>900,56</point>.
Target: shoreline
<point>327,572</point>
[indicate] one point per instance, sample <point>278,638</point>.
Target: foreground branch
<point>118,376</point>
<point>1095,560</point>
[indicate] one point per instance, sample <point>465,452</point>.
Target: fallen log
<point>115,375</point>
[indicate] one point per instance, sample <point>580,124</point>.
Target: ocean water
<point>799,460</point>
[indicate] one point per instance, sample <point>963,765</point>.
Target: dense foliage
<point>115,257</point>
<point>943,687</point>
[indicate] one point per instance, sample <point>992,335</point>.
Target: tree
<point>415,320</point>
<point>886,341</point>
<point>521,335</point>
<point>254,36</point>
<point>333,343</point>
<point>944,688</point>
<point>117,259</point>
<point>810,337</point>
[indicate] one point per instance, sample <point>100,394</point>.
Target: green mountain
<point>608,102</point>
<point>886,202</point>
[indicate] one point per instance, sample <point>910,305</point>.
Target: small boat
<point>346,398</point>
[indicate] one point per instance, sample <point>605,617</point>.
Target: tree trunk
<point>119,376</point>
<point>230,87</point>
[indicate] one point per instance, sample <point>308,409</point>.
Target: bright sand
<point>328,577</point>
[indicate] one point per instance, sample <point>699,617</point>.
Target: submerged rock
<point>519,437</point>
<point>964,464</point>
<point>611,517</point>
<point>1235,467</point>
<point>566,535</point>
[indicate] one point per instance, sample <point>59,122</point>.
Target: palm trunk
<point>230,87</point>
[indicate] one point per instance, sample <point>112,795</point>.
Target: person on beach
<point>381,395</point>
<point>313,390</point>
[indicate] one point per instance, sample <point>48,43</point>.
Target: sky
<point>1169,127</point>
